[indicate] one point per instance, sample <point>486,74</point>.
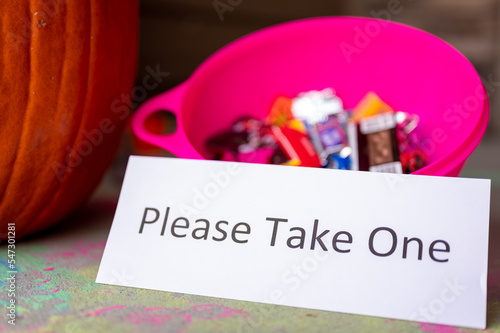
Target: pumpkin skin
<point>64,65</point>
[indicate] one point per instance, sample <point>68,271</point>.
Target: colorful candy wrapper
<point>321,112</point>
<point>412,157</point>
<point>250,140</point>
<point>315,106</point>
<point>370,105</point>
<point>341,160</point>
<point>297,146</point>
<point>377,144</point>
<point>281,112</point>
<point>314,130</point>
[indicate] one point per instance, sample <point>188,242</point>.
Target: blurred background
<point>178,35</point>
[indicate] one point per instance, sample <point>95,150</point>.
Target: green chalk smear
<point>26,261</point>
<point>78,324</point>
<point>63,307</point>
<point>61,294</point>
<point>32,303</point>
<point>59,299</point>
<point>34,248</point>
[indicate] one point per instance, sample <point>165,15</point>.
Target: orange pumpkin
<point>64,66</point>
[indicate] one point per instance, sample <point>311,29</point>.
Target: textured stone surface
<point>57,293</point>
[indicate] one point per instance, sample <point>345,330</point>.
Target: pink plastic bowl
<point>409,69</point>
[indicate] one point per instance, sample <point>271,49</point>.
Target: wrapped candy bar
<point>297,146</point>
<point>377,144</point>
<point>383,140</point>
<point>325,119</point>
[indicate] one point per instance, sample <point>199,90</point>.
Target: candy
<point>281,111</point>
<point>315,106</point>
<point>370,105</point>
<point>314,130</point>
<point>331,134</point>
<point>321,112</point>
<point>297,146</point>
<point>249,140</point>
<point>341,160</point>
<point>412,157</point>
<point>377,147</point>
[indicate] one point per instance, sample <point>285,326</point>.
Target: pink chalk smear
<point>98,312</point>
<point>187,316</point>
<point>44,281</point>
<point>49,269</point>
<point>53,291</point>
<point>425,327</point>
<point>152,309</point>
<point>155,319</point>
<point>48,278</point>
<point>203,307</point>
<point>228,311</point>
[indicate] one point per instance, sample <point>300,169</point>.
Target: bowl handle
<point>177,142</point>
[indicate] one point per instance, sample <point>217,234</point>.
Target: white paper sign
<point>399,246</point>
